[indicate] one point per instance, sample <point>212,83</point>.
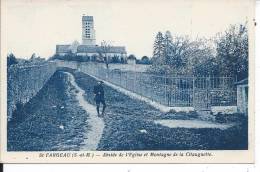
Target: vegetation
<point>11,60</point>
<point>144,60</point>
<point>225,55</point>
<point>105,49</point>
<point>132,57</point>
<point>232,51</point>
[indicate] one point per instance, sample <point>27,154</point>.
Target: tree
<point>158,50</point>
<point>122,60</point>
<point>115,59</point>
<point>199,58</point>
<point>168,45</point>
<point>73,47</point>
<point>131,56</point>
<point>207,67</point>
<point>232,51</point>
<point>11,60</point>
<point>105,48</point>
<point>145,60</point>
<point>179,51</point>
<point>33,57</point>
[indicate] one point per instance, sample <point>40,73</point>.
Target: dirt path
<point>96,124</point>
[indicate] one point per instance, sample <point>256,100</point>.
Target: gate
<point>213,91</point>
<point>201,94</point>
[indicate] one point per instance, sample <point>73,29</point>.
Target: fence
<point>24,82</point>
<point>200,92</point>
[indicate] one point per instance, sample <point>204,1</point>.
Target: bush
<point>11,60</point>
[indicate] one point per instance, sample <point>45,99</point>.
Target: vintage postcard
<point>127,81</point>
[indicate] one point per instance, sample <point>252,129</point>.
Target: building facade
<point>88,46</point>
<point>88,31</point>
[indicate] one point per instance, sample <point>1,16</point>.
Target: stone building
<point>88,31</point>
<point>88,46</point>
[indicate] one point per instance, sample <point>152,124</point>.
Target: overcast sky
<point>37,26</point>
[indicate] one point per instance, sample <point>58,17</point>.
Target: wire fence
<point>180,91</point>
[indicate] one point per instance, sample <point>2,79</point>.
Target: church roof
<point>62,48</point>
<point>95,49</point>
<point>85,48</point>
<point>89,49</point>
<point>117,49</point>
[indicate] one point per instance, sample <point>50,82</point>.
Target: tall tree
<point>179,51</point>
<point>232,51</point>
<point>199,58</point>
<point>158,49</point>
<point>168,46</point>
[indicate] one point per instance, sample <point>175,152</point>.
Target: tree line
<point>12,60</point>
<point>97,58</point>
<point>224,55</point>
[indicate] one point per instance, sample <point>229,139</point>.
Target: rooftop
<point>89,49</point>
<point>63,48</point>
<point>89,18</point>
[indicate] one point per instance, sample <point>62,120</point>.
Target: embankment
<point>52,120</point>
<point>24,82</point>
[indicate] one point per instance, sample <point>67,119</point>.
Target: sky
<point>36,26</point>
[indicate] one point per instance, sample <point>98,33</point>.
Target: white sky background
<point>37,26</point>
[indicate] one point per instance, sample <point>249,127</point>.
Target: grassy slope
<point>39,127</point>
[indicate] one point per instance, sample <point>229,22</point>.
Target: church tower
<point>88,31</point>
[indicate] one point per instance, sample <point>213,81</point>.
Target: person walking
<point>99,97</point>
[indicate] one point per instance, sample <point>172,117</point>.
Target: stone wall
<point>24,82</point>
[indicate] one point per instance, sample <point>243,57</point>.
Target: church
<point>88,47</point>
